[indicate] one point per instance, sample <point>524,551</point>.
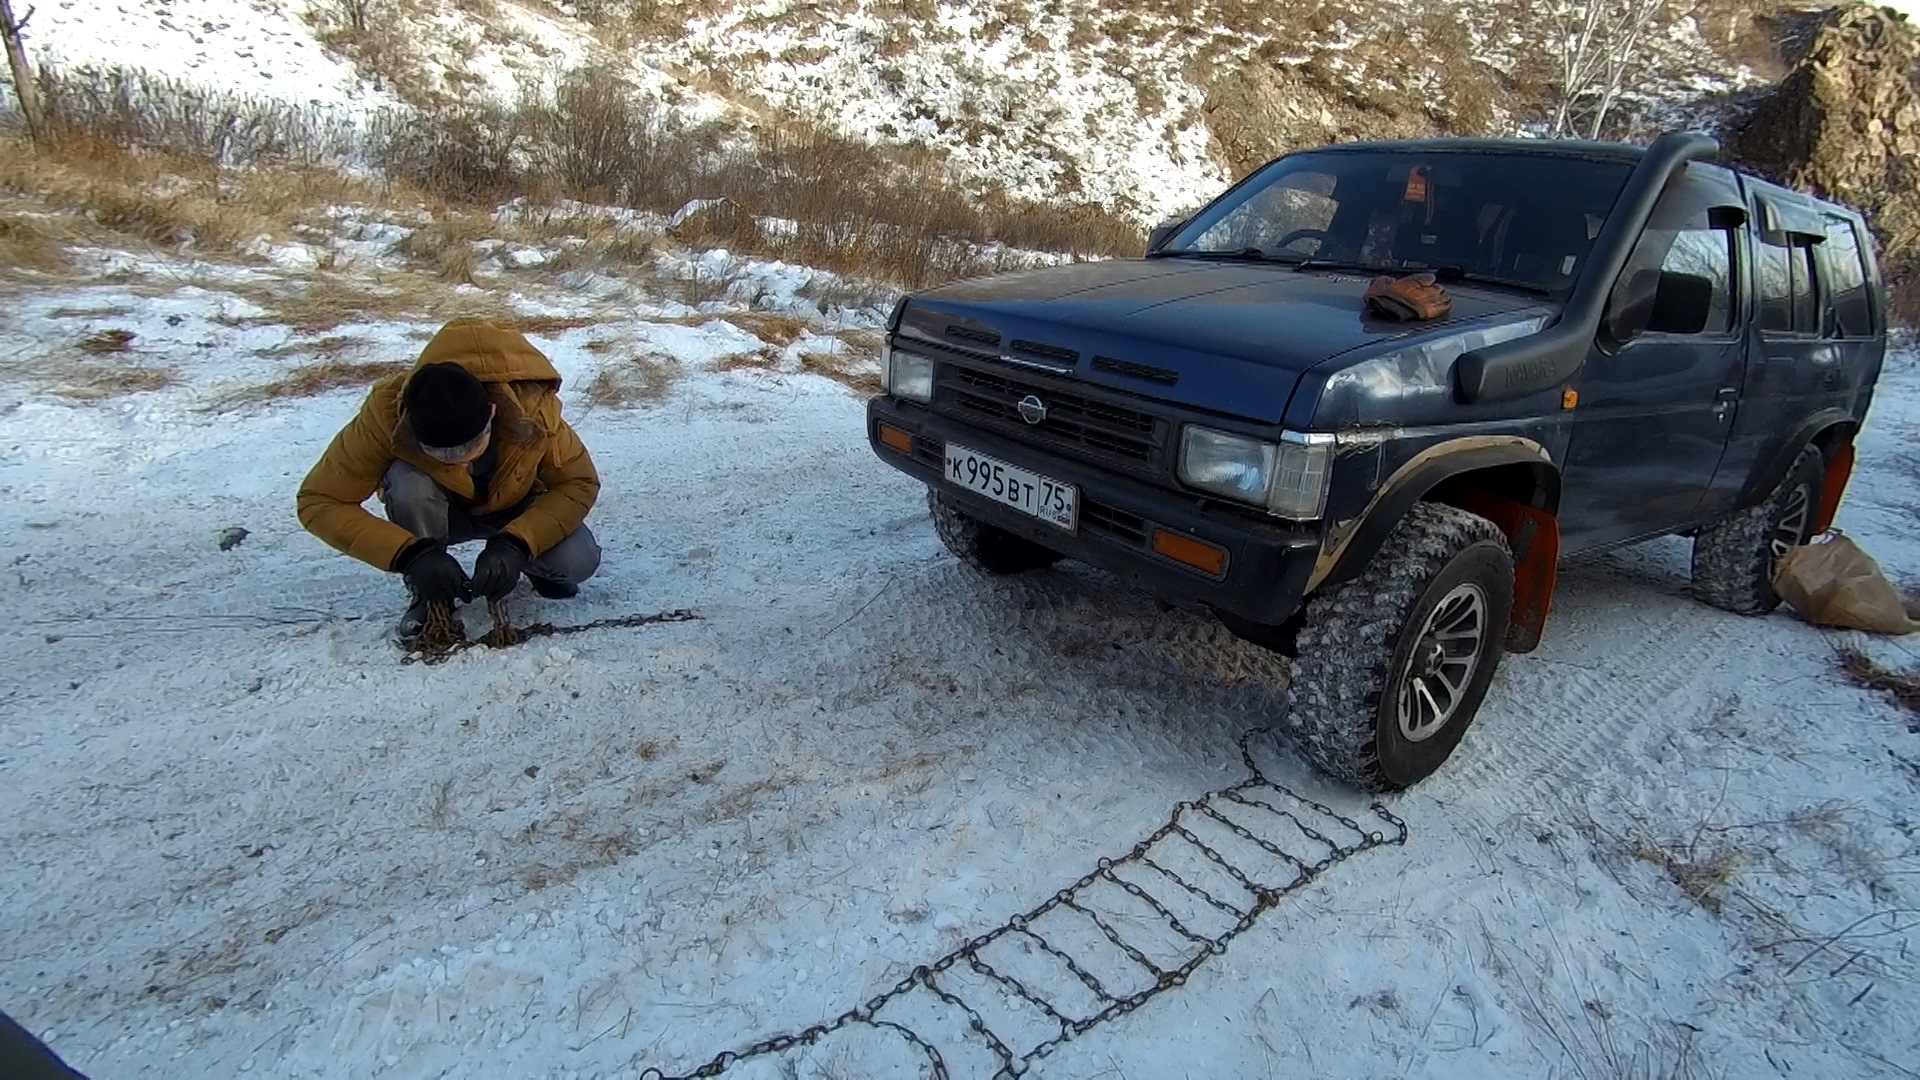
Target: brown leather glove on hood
<point>1415,298</point>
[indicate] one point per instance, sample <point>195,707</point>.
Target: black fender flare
<point>1765,479</point>
<point>1351,545</point>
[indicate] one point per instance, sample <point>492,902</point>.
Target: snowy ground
<point>243,837</point>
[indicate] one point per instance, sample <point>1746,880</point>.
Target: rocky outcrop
<point>1262,111</point>
<point>1845,124</point>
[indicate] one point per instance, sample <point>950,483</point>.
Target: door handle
<point>1723,401</point>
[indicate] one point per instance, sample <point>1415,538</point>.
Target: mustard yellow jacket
<point>539,452</point>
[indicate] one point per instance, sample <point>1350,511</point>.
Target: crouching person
<point>468,445</point>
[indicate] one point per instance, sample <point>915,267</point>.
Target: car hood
<point>1232,338</point>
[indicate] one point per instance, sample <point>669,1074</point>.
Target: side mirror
<point>1630,308</point>
<point>1682,304</point>
<point>1163,232</point>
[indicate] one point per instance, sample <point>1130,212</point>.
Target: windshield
<point>1518,218</point>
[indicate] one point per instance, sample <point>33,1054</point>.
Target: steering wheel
<point>1326,239</point>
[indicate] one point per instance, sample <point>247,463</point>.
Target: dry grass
<point>110,312</point>
<point>1700,875</point>
<point>776,330</point>
<point>764,360</point>
<point>107,342</point>
<point>155,200</point>
<point>549,325</point>
<point>845,367</point>
<point>331,300</point>
<point>1903,687</point>
<point>632,383</point>
<point>100,382</point>
<point>326,348</point>
<point>33,243</point>
<point>312,380</point>
<point>142,159</point>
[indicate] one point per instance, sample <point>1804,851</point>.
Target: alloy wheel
<point>1448,651</point>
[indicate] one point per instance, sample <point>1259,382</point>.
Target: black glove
<point>432,573</point>
<point>499,566</point>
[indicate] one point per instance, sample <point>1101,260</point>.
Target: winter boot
<point>553,590</point>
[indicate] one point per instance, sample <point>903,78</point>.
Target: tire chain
<point>1111,1003</point>
<point>505,635</point>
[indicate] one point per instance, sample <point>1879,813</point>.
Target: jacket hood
<point>491,352</point>
<point>1228,337</point>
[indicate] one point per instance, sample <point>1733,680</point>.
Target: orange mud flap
<point>1839,471</point>
<point>1534,536</point>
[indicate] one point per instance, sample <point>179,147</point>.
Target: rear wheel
<point>1734,558</point>
<point>982,546</point>
<point>1393,665</point>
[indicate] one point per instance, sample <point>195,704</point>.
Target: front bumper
<point>1268,564</point>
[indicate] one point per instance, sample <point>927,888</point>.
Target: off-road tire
<point>1733,558</point>
<point>982,546</point>
<point>1357,641</point>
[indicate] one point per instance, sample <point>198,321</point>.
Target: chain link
<point>505,635</point>
<point>1250,792</point>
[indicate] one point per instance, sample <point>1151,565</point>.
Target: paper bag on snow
<point>1832,582</point>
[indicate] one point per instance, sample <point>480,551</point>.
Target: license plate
<point>1048,499</point>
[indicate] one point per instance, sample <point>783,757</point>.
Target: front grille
<point>1115,522</point>
<point>1073,420</point>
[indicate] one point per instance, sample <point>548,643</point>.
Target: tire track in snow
<point>1559,718</point>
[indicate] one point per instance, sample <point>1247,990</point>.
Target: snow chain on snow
<point>1253,810</point>
<point>442,635</point>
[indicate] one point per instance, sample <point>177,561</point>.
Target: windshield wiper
<point>1461,273</point>
<point>1246,254</point>
<point>1317,263</point>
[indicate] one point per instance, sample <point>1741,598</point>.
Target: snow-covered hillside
<point>1078,100</point>
<point>245,837</point>
<point>263,47</point>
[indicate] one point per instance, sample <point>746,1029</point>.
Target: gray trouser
<point>415,503</point>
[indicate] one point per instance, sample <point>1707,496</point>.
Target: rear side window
<point>1844,272</point>
<point>1789,301</point>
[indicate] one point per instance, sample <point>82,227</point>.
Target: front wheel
<point>1393,664</point>
<point>1734,558</point>
<point>982,546</point>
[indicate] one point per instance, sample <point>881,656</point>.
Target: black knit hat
<point>446,405</point>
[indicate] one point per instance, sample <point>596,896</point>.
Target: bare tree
<point>23,85</point>
<point>1596,43</point>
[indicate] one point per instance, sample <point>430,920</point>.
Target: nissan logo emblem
<point>1032,409</point>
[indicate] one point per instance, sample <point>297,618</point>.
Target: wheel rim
<point>1791,530</point>
<point>1446,655</point>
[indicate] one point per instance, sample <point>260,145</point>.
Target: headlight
<point>907,375</point>
<point>1289,478</point>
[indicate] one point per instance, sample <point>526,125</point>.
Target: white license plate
<point>1048,499</point>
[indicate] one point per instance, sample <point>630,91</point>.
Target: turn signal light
<point>896,438</point>
<point>1201,556</point>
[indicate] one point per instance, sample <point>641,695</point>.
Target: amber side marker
<point>1569,398</point>
<point>897,439</point>
<point>1183,549</point>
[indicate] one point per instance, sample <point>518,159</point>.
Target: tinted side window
<point>1845,275</point>
<point>1806,307</point>
<point>1789,298</point>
